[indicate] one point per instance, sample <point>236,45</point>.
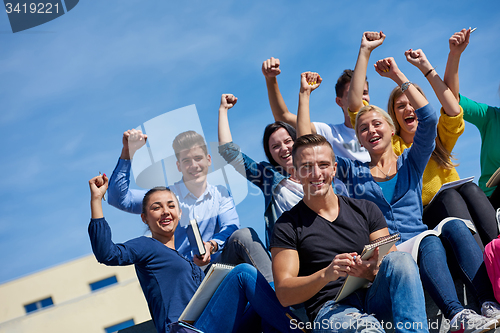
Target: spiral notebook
<point>205,291</point>
<point>353,283</point>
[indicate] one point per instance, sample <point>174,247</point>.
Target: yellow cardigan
<point>448,130</point>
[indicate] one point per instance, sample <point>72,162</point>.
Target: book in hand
<point>205,291</point>
<point>494,179</point>
<point>194,236</point>
<point>452,184</point>
<point>411,245</point>
<point>353,283</point>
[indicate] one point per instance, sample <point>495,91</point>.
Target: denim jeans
<point>245,246</point>
<point>394,301</point>
<point>244,284</point>
<point>454,251</point>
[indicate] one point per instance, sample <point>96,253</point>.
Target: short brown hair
<point>310,140</point>
<point>187,140</point>
<point>344,79</point>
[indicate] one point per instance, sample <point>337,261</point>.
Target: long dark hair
<point>154,190</point>
<point>270,129</point>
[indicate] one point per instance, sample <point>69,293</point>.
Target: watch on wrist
<point>214,247</point>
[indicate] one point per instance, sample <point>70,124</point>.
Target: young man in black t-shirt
<point>316,244</point>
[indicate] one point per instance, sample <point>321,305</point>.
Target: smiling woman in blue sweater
<point>169,280</point>
<point>395,185</point>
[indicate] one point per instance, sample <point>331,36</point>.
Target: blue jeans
<point>454,251</point>
<point>395,300</point>
<point>244,284</point>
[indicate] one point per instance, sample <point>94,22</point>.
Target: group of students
<point>328,191</point>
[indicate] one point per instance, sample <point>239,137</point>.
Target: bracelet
<point>430,70</point>
<point>405,86</point>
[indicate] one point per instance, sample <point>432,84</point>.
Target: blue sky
<point>70,88</point>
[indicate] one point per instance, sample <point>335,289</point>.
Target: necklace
<point>385,174</point>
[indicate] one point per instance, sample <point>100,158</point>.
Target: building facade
<point>78,296</point>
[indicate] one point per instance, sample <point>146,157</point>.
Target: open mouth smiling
<point>287,155</point>
<point>410,119</point>
<point>166,221</point>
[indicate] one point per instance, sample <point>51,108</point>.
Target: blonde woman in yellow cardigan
<point>467,201</point>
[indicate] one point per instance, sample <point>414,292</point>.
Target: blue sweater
<point>403,212</point>
<point>168,279</point>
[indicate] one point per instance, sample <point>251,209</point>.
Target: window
<point>120,326</point>
<point>38,304</point>
<point>103,283</point>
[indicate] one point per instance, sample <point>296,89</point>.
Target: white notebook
<point>205,291</point>
<point>453,184</point>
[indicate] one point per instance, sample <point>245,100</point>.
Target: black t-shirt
<point>318,240</point>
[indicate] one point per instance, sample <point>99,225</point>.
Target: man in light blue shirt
<point>211,206</point>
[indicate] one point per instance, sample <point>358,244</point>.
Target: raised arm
<point>119,194</point>
<point>387,67</point>
<point>443,93</point>
<point>293,289</point>
<point>132,140</point>
<point>458,43</point>
<point>271,69</point>
<point>98,186</point>
<point>309,81</point>
<point>424,139</point>
<point>369,42</point>
<point>247,167</point>
<point>227,101</point>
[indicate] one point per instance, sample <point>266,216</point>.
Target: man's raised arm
<point>119,193</point>
<point>369,42</point>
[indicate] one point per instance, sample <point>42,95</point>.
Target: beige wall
<point>76,308</point>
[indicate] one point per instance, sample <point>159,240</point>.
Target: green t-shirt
<point>487,120</point>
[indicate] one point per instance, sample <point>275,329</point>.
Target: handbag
<point>182,327</point>
<point>491,257</point>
